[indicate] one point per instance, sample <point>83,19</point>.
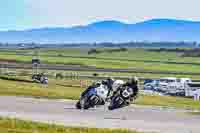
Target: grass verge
<point>168,101</point>
<point>56,89</point>
<point>193,113</point>
<point>20,126</point>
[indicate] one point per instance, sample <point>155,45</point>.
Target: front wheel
<point>111,108</point>
<point>116,102</point>
<point>82,104</point>
<point>78,105</point>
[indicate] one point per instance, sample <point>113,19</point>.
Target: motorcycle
<point>120,98</point>
<point>44,80</point>
<point>95,96</point>
<point>40,78</point>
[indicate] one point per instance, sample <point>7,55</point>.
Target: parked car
<point>168,85</point>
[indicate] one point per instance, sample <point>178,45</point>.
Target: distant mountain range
<point>155,30</point>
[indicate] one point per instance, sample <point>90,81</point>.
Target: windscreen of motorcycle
<point>92,91</point>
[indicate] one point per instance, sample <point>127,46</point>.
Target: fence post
<point>81,83</point>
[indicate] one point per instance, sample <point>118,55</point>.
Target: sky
<point>27,14</point>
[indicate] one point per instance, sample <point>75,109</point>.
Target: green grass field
<point>20,126</point>
<point>194,113</point>
<point>55,89</point>
<point>167,101</point>
<point>71,89</point>
<point>133,58</point>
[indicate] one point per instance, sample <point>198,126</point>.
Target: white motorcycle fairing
<point>102,91</point>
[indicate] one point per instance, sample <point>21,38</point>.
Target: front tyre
<point>83,103</point>
<point>78,105</point>
<point>116,102</point>
<point>111,108</point>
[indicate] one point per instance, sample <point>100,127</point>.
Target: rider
<point>108,82</point>
<point>113,86</point>
<point>132,83</point>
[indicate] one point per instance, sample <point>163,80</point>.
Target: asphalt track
<point>151,119</point>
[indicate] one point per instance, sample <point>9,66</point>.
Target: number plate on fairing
<point>127,92</point>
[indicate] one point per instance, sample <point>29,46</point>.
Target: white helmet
<point>117,84</point>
